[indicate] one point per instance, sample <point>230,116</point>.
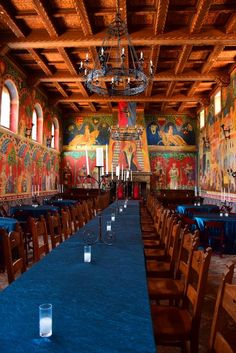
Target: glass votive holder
<point>226,214</point>
<point>45,320</point>
<point>125,205</point>
<point>120,209</point>
<point>221,214</point>
<point>113,217</point>
<point>87,253</point>
<point>108,226</point>
<point>198,204</point>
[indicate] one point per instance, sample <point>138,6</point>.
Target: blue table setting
<point>99,306</point>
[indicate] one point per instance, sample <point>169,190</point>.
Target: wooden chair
<point>222,338</point>
<point>54,227</point>
<point>166,268</point>
<point>213,235</point>
<point>38,228</point>
<point>66,223</point>
<point>3,212</point>
<point>173,288</point>
<point>79,215</point>
<point>179,326</point>
<point>157,249</point>
<point>13,247</point>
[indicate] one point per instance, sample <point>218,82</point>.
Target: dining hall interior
<point>118,176</point>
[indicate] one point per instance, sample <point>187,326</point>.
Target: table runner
<point>101,307</point>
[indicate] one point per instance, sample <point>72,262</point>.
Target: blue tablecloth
<point>98,307</point>
<point>229,228</point>
<point>27,210</point>
<point>61,203</point>
<point>183,209</point>
<point>8,223</point>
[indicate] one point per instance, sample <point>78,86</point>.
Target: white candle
<point>99,157</point>
<point>87,253</point>
<point>131,175</point>
<point>122,172</point>
<point>127,174</point>
<point>112,171</point>
<point>87,162</point>
<point>108,226</point>
<point>224,195</point>
<point>38,189</point>
<point>106,159</point>
<point>45,326</point>
<point>62,188</point>
<point>195,190</point>
<point>102,171</point>
<point>32,189</point>
<point>118,171</point>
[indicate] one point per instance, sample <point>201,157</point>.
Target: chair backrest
<point>188,244</point>
<point>173,247</point>
<point>66,223</point>
<point>226,301</point>
<point>79,215</point>
<point>13,247</point>
<point>39,234</point>
<point>166,235</point>
<point>54,227</point>
<point>196,284</point>
<point>3,212</point>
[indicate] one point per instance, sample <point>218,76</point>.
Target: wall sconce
<point>206,142</point>
<point>226,132</point>
<point>28,131</point>
<point>231,172</point>
<point>49,141</point>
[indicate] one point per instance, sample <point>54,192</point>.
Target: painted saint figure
<point>174,176</point>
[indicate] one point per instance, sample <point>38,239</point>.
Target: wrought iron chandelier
<point>117,70</point>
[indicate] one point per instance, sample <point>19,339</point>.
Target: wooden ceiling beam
<point>41,63</point>
<point>67,60</point>
<point>141,98</point>
<point>39,39</point>
<point>161,14</point>
<point>74,107</point>
<point>203,7</point>
<point>85,95</point>
<point>61,89</point>
<point>231,24</point>
<point>159,26</point>
<point>42,12</point>
<point>212,58</point>
<point>83,16</point>
<point>189,76</point>
<point>8,18</point>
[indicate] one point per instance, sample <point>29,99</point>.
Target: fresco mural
<point>22,165</point>
<point>169,130</point>
<point>74,169</point>
<point>87,131</point>
<point>217,159</point>
<point>173,170</point>
<point>23,162</point>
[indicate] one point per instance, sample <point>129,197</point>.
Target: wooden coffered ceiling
<point>192,44</point>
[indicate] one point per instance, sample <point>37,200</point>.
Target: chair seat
<point>158,268</point>
<point>158,254</point>
<point>166,288</point>
<point>171,324</point>
<point>151,243</point>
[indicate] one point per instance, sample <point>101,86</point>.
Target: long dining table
<point>98,307</point>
